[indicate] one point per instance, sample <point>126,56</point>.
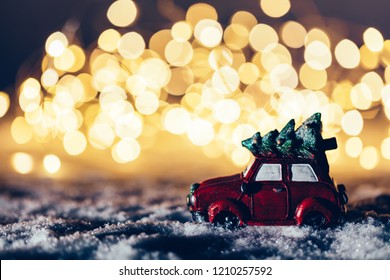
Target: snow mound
<point>149,220</point>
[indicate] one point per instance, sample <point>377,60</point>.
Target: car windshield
<point>245,172</point>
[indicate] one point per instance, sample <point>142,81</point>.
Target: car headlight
<point>191,200</point>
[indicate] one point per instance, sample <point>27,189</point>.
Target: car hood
<point>226,180</point>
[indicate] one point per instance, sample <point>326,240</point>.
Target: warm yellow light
<point>108,40</point>
<point>49,78</point>
<point>200,11</point>
<point>249,73</point>
<point>21,131</point>
<point>135,84</point>
<point>177,120</point>
<point>341,95</point>
<point>22,163</point>
<point>245,19</point>
<point>236,36</point>
<point>30,88</point>
<point>227,111</point>
<point>101,136</point>
<point>293,34</point>
<point>79,57</point>
<point>386,96</point>
<point>52,164</point>
<point>181,79</point>
<point>159,40</point>
<point>373,39</point>
<point>147,103</point>
<point>347,54</point>
<point>317,34</point>
<point>208,32</point>
<point>200,63</point>
<point>332,115</point>
<point>155,72</point>
<point>56,44</point>
<point>352,122</point>
<point>181,31</point>
<point>361,96</point>
<point>354,147</point>
<point>275,8</point>
<point>74,142</point>
<point>62,101</point>
<point>89,91</point>
<point>385,148</point>
<point>369,158</point>
<point>126,151</point>
<point>375,84</point>
<point>110,96</point>
<point>67,122</point>
<point>312,78</point>
<point>4,103</point>
<point>131,45</point>
<point>122,13</point>
<point>65,61</point>
<point>226,80</point>
<point>263,37</point>
<point>29,104</point>
<point>178,53</point>
<point>270,59</point>
<point>369,60</point>
<point>240,156</point>
<point>318,55</point>
<point>200,132</point>
<point>219,57</point>
<point>129,126</point>
<point>387,74</point>
<point>283,76</point>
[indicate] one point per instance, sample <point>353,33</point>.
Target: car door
<point>269,193</point>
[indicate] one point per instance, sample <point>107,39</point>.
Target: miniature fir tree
<point>310,134</point>
<point>305,142</point>
<point>287,142</point>
<point>268,144</point>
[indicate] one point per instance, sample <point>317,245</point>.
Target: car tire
<point>227,220</point>
<point>315,219</point>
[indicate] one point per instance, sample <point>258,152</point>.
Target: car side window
<point>302,172</point>
<point>269,172</point>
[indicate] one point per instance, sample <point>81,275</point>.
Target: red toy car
<point>273,190</point>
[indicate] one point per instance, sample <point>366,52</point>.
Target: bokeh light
<point>347,54</point>
<point>354,147</point>
<point>369,158</point>
<point>56,44</point>
<point>52,163</point>
<point>122,13</point>
<point>373,39</point>
<point>352,122</point>
<point>4,103</point>
<point>275,8</point>
<point>213,82</point>
<point>22,162</point>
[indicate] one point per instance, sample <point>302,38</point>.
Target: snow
<point>141,219</point>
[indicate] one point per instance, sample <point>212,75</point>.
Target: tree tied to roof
<point>305,142</point>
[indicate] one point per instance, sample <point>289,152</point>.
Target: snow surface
<point>140,219</point>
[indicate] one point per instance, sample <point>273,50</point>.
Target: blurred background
<point>170,88</point>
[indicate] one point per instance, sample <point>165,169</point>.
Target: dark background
<point>25,25</point>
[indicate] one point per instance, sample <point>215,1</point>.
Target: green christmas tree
<point>287,142</point>
<point>310,134</point>
<point>305,142</point>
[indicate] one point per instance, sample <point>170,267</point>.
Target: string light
<point>214,84</point>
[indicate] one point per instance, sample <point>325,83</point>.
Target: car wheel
<point>227,220</point>
<point>315,219</point>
